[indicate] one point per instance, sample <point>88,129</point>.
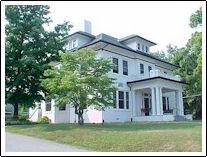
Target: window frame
<point>121,99</point>
<point>116,68</point>
<point>62,108</point>
<point>125,68</point>
<point>127,100</point>
<point>141,70</point>
<point>46,106</point>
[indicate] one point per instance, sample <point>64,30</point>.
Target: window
<point>125,67</point>
<point>143,48</point>
<point>48,106</point>
<point>149,68</point>
<point>127,100</point>
<point>165,102</point>
<point>74,43</point>
<point>62,108</point>
<point>121,100</point>
<point>147,49</point>
<point>114,99</point>
<point>116,68</point>
<point>138,46</point>
<point>165,72</point>
<point>141,68</point>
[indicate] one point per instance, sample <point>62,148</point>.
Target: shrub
<point>44,119</point>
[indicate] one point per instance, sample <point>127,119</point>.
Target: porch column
<point>161,104</point>
<point>133,103</point>
<point>175,104</point>
<point>180,100</point>
<point>177,109</point>
<point>153,101</point>
<point>157,93</point>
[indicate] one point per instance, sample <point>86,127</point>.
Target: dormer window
<point>74,43</point>
<point>147,49</point>
<point>138,46</point>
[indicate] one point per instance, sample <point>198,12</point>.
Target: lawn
<point>122,137</point>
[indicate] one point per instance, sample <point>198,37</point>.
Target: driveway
<point>21,143</point>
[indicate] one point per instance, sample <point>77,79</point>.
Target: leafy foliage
<point>81,79</point>
<point>196,19</point>
<point>29,49</point>
<point>189,59</point>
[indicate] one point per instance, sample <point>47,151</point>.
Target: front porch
<point>156,99</point>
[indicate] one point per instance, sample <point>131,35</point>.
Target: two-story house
<point>147,88</point>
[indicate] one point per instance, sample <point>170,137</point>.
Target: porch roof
<point>158,77</point>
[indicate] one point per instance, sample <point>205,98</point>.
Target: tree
<point>189,58</point>
<point>81,80</point>
<point>29,49</point>
<point>196,19</point>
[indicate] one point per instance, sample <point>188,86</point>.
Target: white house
<point>147,88</point>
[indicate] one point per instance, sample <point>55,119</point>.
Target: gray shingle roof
<point>114,41</point>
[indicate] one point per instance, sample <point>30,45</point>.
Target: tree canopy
<point>81,79</point>
<point>28,50</point>
<point>189,59</point>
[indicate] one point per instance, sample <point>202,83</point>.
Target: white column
<point>157,93</point>
<point>174,106</point>
<point>134,103</point>
<point>161,104</point>
<point>180,100</point>
<point>153,101</point>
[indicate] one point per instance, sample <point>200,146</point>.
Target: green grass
<point>122,137</point>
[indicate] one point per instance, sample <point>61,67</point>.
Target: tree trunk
<point>80,119</point>
<point>16,111</point>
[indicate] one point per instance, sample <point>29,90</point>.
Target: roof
<point>135,36</point>
<point>82,33</point>
<point>158,77</point>
<point>114,41</point>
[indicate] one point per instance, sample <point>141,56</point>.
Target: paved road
<point>21,143</point>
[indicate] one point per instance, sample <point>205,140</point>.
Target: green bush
<point>11,121</point>
<point>44,119</point>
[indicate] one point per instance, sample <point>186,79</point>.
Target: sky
<point>160,22</point>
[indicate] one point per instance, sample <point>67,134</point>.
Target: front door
<point>146,106</point>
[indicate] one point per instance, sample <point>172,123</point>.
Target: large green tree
<point>189,58</point>
<point>29,48</point>
<point>81,80</point>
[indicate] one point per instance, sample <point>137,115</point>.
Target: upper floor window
<point>143,48</point>
<point>62,108</point>
<point>121,100</point>
<point>146,49</point>
<point>149,68</point>
<point>141,68</point>
<point>116,67</point>
<point>48,106</point>
<point>125,67</point>
<point>74,43</point>
<point>127,100</point>
<point>165,72</point>
<point>138,46</point>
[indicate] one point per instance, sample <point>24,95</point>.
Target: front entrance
<point>146,106</point>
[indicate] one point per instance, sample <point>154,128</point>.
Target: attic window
<point>147,49</point>
<point>138,46</point>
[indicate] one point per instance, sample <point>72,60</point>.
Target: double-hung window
<point>116,67</point>
<point>125,68</point>
<point>141,68</point>
<point>127,100</point>
<point>121,100</point>
<point>48,106</point>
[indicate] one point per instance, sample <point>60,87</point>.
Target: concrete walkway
<point>21,143</point>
